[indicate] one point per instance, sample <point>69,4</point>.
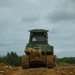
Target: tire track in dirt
<point>35,71</point>
<point>51,71</point>
<point>32,71</point>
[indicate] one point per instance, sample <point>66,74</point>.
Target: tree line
<point>15,60</point>
<point>11,59</point>
<point>66,61</point>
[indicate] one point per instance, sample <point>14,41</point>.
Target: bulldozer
<point>38,53</point>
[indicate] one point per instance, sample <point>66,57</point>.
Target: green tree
<point>11,59</point>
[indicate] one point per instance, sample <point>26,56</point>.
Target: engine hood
<point>42,47</point>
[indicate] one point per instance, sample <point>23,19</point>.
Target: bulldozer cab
<point>38,36</point>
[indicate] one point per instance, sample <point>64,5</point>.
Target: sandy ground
<point>58,70</point>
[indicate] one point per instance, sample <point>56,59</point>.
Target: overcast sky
<point>17,17</point>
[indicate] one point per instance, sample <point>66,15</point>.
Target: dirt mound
<point>65,70</point>
<point>59,70</point>
<point>4,69</point>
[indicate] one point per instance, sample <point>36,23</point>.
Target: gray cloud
<point>29,19</point>
<point>72,1</point>
<point>61,15</point>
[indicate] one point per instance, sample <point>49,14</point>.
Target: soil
<point>58,70</point>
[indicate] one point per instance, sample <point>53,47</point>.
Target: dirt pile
<point>58,70</point>
<point>65,70</point>
<point>5,70</point>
